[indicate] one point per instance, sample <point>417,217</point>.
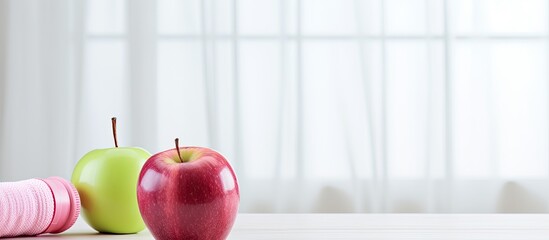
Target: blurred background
<point>429,106</point>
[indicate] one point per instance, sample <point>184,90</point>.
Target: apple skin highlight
<point>196,198</point>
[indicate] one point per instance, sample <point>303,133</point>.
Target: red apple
<point>188,193</point>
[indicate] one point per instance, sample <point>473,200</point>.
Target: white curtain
<point>320,105</point>
<point>38,89</point>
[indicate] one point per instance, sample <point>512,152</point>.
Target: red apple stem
<point>113,121</point>
<point>177,148</point>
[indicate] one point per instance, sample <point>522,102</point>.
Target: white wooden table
<point>363,226</point>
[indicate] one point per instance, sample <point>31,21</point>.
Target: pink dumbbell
<point>37,206</point>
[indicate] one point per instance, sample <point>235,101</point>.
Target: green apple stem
<point>177,148</point>
<point>113,121</point>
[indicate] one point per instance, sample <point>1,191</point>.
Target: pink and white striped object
<point>37,206</point>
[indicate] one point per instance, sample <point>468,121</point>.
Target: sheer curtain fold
<point>3,73</point>
<point>142,73</point>
<point>37,93</point>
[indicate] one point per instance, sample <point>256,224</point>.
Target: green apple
<point>106,180</point>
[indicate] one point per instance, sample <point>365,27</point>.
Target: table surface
<point>362,226</point>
